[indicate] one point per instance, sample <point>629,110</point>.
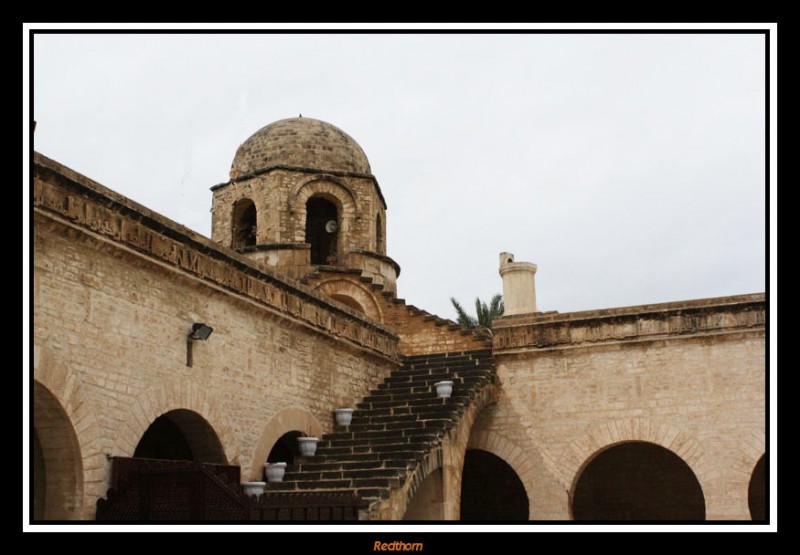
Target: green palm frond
<point>463,318</point>
<point>484,313</point>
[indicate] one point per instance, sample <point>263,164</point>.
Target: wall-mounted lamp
<point>200,332</point>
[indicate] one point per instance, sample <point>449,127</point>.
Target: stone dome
<point>301,142</point>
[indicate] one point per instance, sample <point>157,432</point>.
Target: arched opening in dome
<point>380,246</point>
<point>638,481</point>
<point>181,435</point>
<point>322,230</point>
<point>244,224</point>
<point>757,491</point>
<point>490,489</point>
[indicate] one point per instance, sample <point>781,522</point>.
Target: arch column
<point>60,404</point>
<point>454,451</point>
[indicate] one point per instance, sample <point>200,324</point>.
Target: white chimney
<point>519,287</point>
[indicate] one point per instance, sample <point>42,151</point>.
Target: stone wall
<point>688,376</point>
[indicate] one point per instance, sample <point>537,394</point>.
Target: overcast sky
<point>630,168</point>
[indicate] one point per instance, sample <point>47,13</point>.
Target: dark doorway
<point>322,230</point>
<point>491,490</point>
<point>285,449</point>
<point>638,481</point>
<point>180,435</point>
<point>757,492</point>
<point>244,223</point>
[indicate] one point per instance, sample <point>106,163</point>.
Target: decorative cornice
<point>700,317</point>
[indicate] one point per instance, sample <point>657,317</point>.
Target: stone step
<point>334,466</point>
<point>393,428</point>
<point>427,434</point>
<point>414,424</point>
<point>433,413</point>
<point>433,357</point>
<point>424,386</point>
<point>363,487</point>
<point>393,402</point>
<point>444,363</point>
<point>409,456</point>
<point>296,476</point>
<point>441,423</point>
<point>368,435</point>
<point>404,376</point>
<point>434,376</point>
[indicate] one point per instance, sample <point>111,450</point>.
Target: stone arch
<point>171,395</point>
<point>640,481</point>
<point>514,455</point>
<point>318,179</point>
<point>353,295</point>
<point>58,386</point>
<point>57,460</point>
<point>448,456</point>
<point>330,189</point>
<point>181,434</point>
<point>738,477</point>
<point>491,489</point>
<point>286,420</point>
<point>582,450</point>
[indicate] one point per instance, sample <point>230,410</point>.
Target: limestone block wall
<point>689,377</point>
<point>116,291</point>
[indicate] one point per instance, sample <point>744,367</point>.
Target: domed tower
<point>302,198</point>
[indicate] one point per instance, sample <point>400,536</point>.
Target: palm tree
<point>485,313</point>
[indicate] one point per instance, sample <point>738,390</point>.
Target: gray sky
<point>630,168</point>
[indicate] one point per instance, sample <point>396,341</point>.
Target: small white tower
<point>519,287</point>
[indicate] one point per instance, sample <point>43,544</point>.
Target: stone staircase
<point>393,428</point>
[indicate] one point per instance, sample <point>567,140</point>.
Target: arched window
<point>380,246</point>
<point>244,224</point>
<point>322,230</point>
